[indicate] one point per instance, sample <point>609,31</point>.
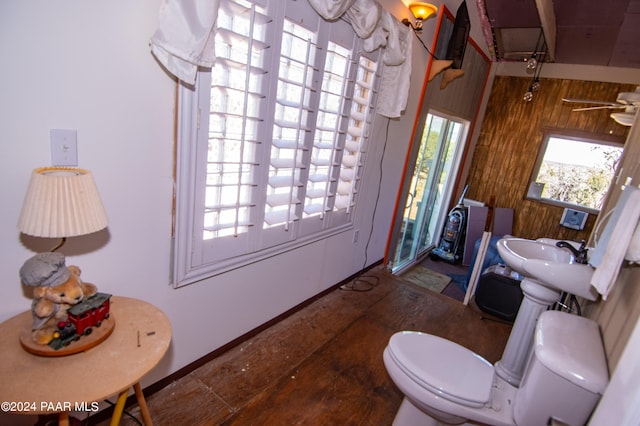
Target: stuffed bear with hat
<point>55,288</point>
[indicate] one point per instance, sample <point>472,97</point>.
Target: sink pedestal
<point>537,298</point>
<point>548,270</point>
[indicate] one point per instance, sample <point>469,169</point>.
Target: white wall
<point>87,66</point>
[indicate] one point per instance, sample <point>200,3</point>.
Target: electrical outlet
<point>64,147</point>
<point>356,234</point>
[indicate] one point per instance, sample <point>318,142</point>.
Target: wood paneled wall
<point>509,140</point>
<point>619,314</point>
<point>504,158</point>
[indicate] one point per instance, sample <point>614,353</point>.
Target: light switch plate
<point>64,147</point>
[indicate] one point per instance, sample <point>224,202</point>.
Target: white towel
<point>396,79</point>
<point>184,38</point>
<point>610,251</point>
<point>394,50</point>
<point>633,252</point>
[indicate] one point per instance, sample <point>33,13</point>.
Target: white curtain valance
<point>379,29</point>
<point>184,39</point>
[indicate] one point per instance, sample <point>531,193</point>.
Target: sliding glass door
<point>430,189</point>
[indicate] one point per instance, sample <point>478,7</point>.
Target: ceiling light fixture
<point>536,85</point>
<point>532,62</point>
<point>537,67</point>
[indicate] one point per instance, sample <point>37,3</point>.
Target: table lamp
<point>61,202</point>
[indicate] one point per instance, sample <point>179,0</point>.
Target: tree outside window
<point>575,170</point>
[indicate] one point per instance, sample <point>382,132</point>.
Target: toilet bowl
<point>485,397</point>
<point>444,382</point>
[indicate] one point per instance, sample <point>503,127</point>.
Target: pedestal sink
<point>551,266</point>
<point>548,271</point>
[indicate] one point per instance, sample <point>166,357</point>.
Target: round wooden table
<point>33,384</point>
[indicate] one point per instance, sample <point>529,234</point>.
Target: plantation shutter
<point>361,115</point>
<point>272,142</point>
<point>236,129</point>
<point>329,129</point>
<point>291,125</point>
<point>293,109</point>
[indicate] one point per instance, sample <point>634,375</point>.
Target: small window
<point>575,169</point>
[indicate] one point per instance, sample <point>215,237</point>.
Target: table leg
<point>63,418</point>
<point>119,408</point>
<point>144,410</point>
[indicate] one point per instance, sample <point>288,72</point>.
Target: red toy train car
<point>82,317</point>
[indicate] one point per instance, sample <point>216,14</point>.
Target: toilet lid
<point>443,367</point>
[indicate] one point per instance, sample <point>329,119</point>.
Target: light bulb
<point>532,63</point>
<point>535,86</point>
<point>528,97</point>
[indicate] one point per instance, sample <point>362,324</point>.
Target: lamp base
<point>98,335</point>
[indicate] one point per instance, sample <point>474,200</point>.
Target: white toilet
<point>445,383</point>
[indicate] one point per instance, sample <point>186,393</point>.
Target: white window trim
<point>534,192</point>
<point>191,110</point>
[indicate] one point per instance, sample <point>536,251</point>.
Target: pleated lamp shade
<point>61,202</point>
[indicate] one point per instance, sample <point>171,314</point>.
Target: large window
<point>272,141</point>
<point>574,169</point>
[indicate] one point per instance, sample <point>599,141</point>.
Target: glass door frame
<point>437,198</point>
<point>467,104</point>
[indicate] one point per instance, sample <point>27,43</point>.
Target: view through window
<point>574,171</point>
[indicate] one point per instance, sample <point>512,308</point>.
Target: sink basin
<point>551,266</point>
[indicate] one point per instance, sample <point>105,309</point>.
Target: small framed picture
<point>574,219</point>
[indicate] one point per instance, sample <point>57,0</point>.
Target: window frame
<point>532,193</point>
<point>191,255</point>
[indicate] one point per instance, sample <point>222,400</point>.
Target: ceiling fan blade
<point>589,101</point>
<point>629,98</point>
<point>599,107</point>
<point>624,118</point>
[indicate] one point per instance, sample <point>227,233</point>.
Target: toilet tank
<point>566,373</point>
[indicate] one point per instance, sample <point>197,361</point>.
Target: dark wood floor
<point>323,364</point>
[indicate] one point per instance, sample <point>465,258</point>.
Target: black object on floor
<point>498,293</point>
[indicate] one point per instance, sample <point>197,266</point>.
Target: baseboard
<point>164,382</point>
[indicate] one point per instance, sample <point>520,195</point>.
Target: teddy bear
<point>56,288</point>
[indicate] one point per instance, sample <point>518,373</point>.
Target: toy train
<point>81,319</point>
